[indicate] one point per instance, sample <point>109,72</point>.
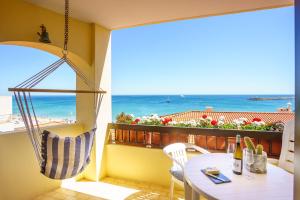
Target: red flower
<point>204,116</point>
<point>169,119</point>
<point>214,122</point>
<point>247,123</point>
<point>137,120</point>
<point>166,120</point>
<point>256,119</point>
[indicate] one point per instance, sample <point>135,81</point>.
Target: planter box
<point>209,138</point>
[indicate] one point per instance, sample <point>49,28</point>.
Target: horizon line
<point>58,94</point>
<point>192,94</point>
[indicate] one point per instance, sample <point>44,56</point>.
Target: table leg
<point>195,195</point>
<point>188,191</point>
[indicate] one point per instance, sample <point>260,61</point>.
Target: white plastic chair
<point>286,159</point>
<point>177,153</point>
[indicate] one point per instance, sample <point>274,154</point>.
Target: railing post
<point>149,139</point>
<point>160,140</point>
<point>270,147</point>
<point>112,133</point>
<point>226,143</point>
<point>191,139</point>
<point>122,138</point>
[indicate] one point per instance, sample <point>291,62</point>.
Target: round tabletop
<point>276,184</point>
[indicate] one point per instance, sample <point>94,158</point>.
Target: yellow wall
<point>20,176</point>
<point>101,74</point>
<point>103,80</point>
<point>136,163</point>
<point>20,21</point>
<point>89,49</point>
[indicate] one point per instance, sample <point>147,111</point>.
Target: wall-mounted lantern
<point>44,35</point>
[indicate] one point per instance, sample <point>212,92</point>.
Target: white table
<point>277,184</point>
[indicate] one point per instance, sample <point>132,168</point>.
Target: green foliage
<point>258,128</point>
<point>228,126</point>
<point>124,118</point>
<point>154,122</point>
<point>249,144</point>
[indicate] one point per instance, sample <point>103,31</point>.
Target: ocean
<point>63,107</point>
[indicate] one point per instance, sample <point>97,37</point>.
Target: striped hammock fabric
<point>65,157</point>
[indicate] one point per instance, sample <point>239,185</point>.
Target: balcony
<point>133,161</point>
<point>127,161</point>
<point>132,154</point>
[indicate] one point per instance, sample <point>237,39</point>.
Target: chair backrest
<point>177,152</point>
<point>286,159</point>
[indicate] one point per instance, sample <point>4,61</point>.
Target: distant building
<point>209,109</point>
<point>230,116</point>
<point>287,109</point>
<point>5,108</point>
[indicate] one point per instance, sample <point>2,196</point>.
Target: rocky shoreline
<point>270,98</point>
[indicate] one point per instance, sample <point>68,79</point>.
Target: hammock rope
<point>45,142</point>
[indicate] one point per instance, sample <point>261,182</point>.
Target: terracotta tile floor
<point>109,188</point>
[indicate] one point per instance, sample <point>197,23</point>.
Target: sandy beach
<point>16,123</point>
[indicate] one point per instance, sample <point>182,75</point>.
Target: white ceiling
<point>116,14</point>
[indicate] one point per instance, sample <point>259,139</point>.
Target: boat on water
<point>168,100</point>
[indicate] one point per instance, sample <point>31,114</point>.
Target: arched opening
<point>20,62</point>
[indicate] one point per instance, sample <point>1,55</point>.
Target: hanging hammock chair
<point>58,157</point>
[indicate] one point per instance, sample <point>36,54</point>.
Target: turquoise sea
<point>64,106</point>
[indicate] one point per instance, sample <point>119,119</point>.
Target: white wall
<point>5,108</point>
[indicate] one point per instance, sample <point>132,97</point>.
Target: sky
<point>19,63</point>
<point>246,53</point>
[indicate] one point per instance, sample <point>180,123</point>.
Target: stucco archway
<point>81,63</point>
